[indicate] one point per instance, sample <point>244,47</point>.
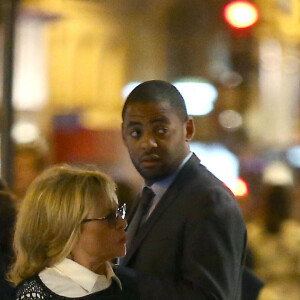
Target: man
<point>192,240</point>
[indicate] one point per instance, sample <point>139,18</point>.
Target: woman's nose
<point>122,223</point>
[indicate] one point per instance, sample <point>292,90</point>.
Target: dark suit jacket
<point>251,285</point>
<point>193,244</point>
<point>129,282</point>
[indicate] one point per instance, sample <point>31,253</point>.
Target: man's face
<point>157,140</point>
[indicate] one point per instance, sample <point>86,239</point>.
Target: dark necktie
<point>146,203</point>
<point>142,211</point>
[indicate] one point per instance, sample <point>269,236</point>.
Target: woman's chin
<point>122,252</point>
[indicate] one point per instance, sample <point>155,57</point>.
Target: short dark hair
<point>157,91</point>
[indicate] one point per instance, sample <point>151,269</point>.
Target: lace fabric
<point>34,289</point>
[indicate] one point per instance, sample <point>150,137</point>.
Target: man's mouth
<point>150,161</point>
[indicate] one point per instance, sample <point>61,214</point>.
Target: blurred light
<point>278,173</point>
<point>230,119</point>
<point>241,14</point>
<point>270,51</point>
<point>25,132</point>
<point>199,96</point>
<point>293,156</point>
<point>127,89</point>
<point>30,84</point>
<point>94,119</point>
<point>230,79</point>
<point>291,64</point>
<point>240,188</point>
<point>219,160</point>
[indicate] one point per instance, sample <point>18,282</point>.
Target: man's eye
<point>135,133</point>
<point>161,131</point>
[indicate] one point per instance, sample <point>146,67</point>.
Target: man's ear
<point>190,129</point>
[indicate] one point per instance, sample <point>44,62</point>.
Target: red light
<point>241,14</point>
<point>240,189</point>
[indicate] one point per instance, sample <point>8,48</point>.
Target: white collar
<point>84,277</point>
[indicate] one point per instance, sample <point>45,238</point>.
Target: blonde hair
<point>49,219</point>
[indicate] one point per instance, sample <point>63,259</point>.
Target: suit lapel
<point>168,198</point>
<point>133,209</point>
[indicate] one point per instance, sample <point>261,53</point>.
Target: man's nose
<point>148,141</point>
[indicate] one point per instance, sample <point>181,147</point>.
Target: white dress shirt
<point>70,279</point>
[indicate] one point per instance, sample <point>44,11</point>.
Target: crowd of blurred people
<point>274,243</point>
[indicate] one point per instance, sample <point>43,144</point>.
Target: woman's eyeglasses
<point>111,218</point>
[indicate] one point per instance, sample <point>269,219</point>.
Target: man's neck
<point>149,183</point>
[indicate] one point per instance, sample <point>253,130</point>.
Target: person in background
<point>30,160</point>
<point>187,238</point>
<point>275,243</point>
<point>7,222</point>
<point>68,229</point>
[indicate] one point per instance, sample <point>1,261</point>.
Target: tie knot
<point>147,192</point>
<point>146,199</point>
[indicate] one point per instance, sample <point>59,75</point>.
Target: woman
<point>68,229</point>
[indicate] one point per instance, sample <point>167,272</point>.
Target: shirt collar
<point>84,277</point>
<point>160,187</point>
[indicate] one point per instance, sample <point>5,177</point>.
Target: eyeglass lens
<point>112,218</point>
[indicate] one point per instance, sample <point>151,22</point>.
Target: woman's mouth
<point>123,240</point>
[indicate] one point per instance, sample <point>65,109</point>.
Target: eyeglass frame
<point>111,218</point>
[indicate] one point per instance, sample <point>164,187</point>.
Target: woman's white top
<point>70,279</point>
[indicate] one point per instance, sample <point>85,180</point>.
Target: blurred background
<point>66,67</point>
